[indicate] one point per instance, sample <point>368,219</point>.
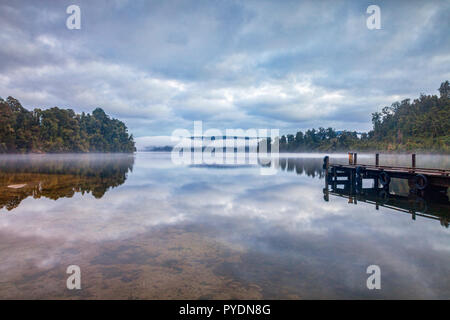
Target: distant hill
<point>60,130</point>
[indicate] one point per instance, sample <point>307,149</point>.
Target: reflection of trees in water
<point>312,167</point>
<point>58,176</point>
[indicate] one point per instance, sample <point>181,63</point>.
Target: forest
<point>419,125</point>
<point>58,130</point>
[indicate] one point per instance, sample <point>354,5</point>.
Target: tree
<point>444,89</point>
<point>60,130</point>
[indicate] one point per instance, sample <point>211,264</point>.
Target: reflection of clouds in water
<point>160,196</point>
<point>119,215</point>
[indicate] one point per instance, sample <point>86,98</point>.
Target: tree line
<point>58,130</point>
<point>419,125</point>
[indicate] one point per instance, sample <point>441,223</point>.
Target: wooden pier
<point>352,174</point>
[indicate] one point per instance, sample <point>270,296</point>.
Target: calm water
<point>141,227</point>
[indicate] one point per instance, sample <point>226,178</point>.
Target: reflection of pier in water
<point>431,205</point>
<point>426,189</point>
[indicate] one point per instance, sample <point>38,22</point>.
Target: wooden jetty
<point>353,173</point>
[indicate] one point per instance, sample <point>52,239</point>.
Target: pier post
<point>334,178</point>
<point>355,158</point>
<point>377,159</point>
<point>413,159</point>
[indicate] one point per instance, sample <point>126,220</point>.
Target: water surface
<point>141,227</point>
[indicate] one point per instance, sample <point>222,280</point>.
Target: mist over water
<point>142,227</point>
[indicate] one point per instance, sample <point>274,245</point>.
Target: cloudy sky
<point>160,65</point>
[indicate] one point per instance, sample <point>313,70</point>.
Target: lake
<point>141,227</point>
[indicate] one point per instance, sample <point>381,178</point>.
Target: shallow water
<point>141,227</point>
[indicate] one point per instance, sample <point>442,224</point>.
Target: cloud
<point>256,64</point>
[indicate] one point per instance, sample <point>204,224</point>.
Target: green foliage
<point>421,125</point>
<point>60,130</point>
